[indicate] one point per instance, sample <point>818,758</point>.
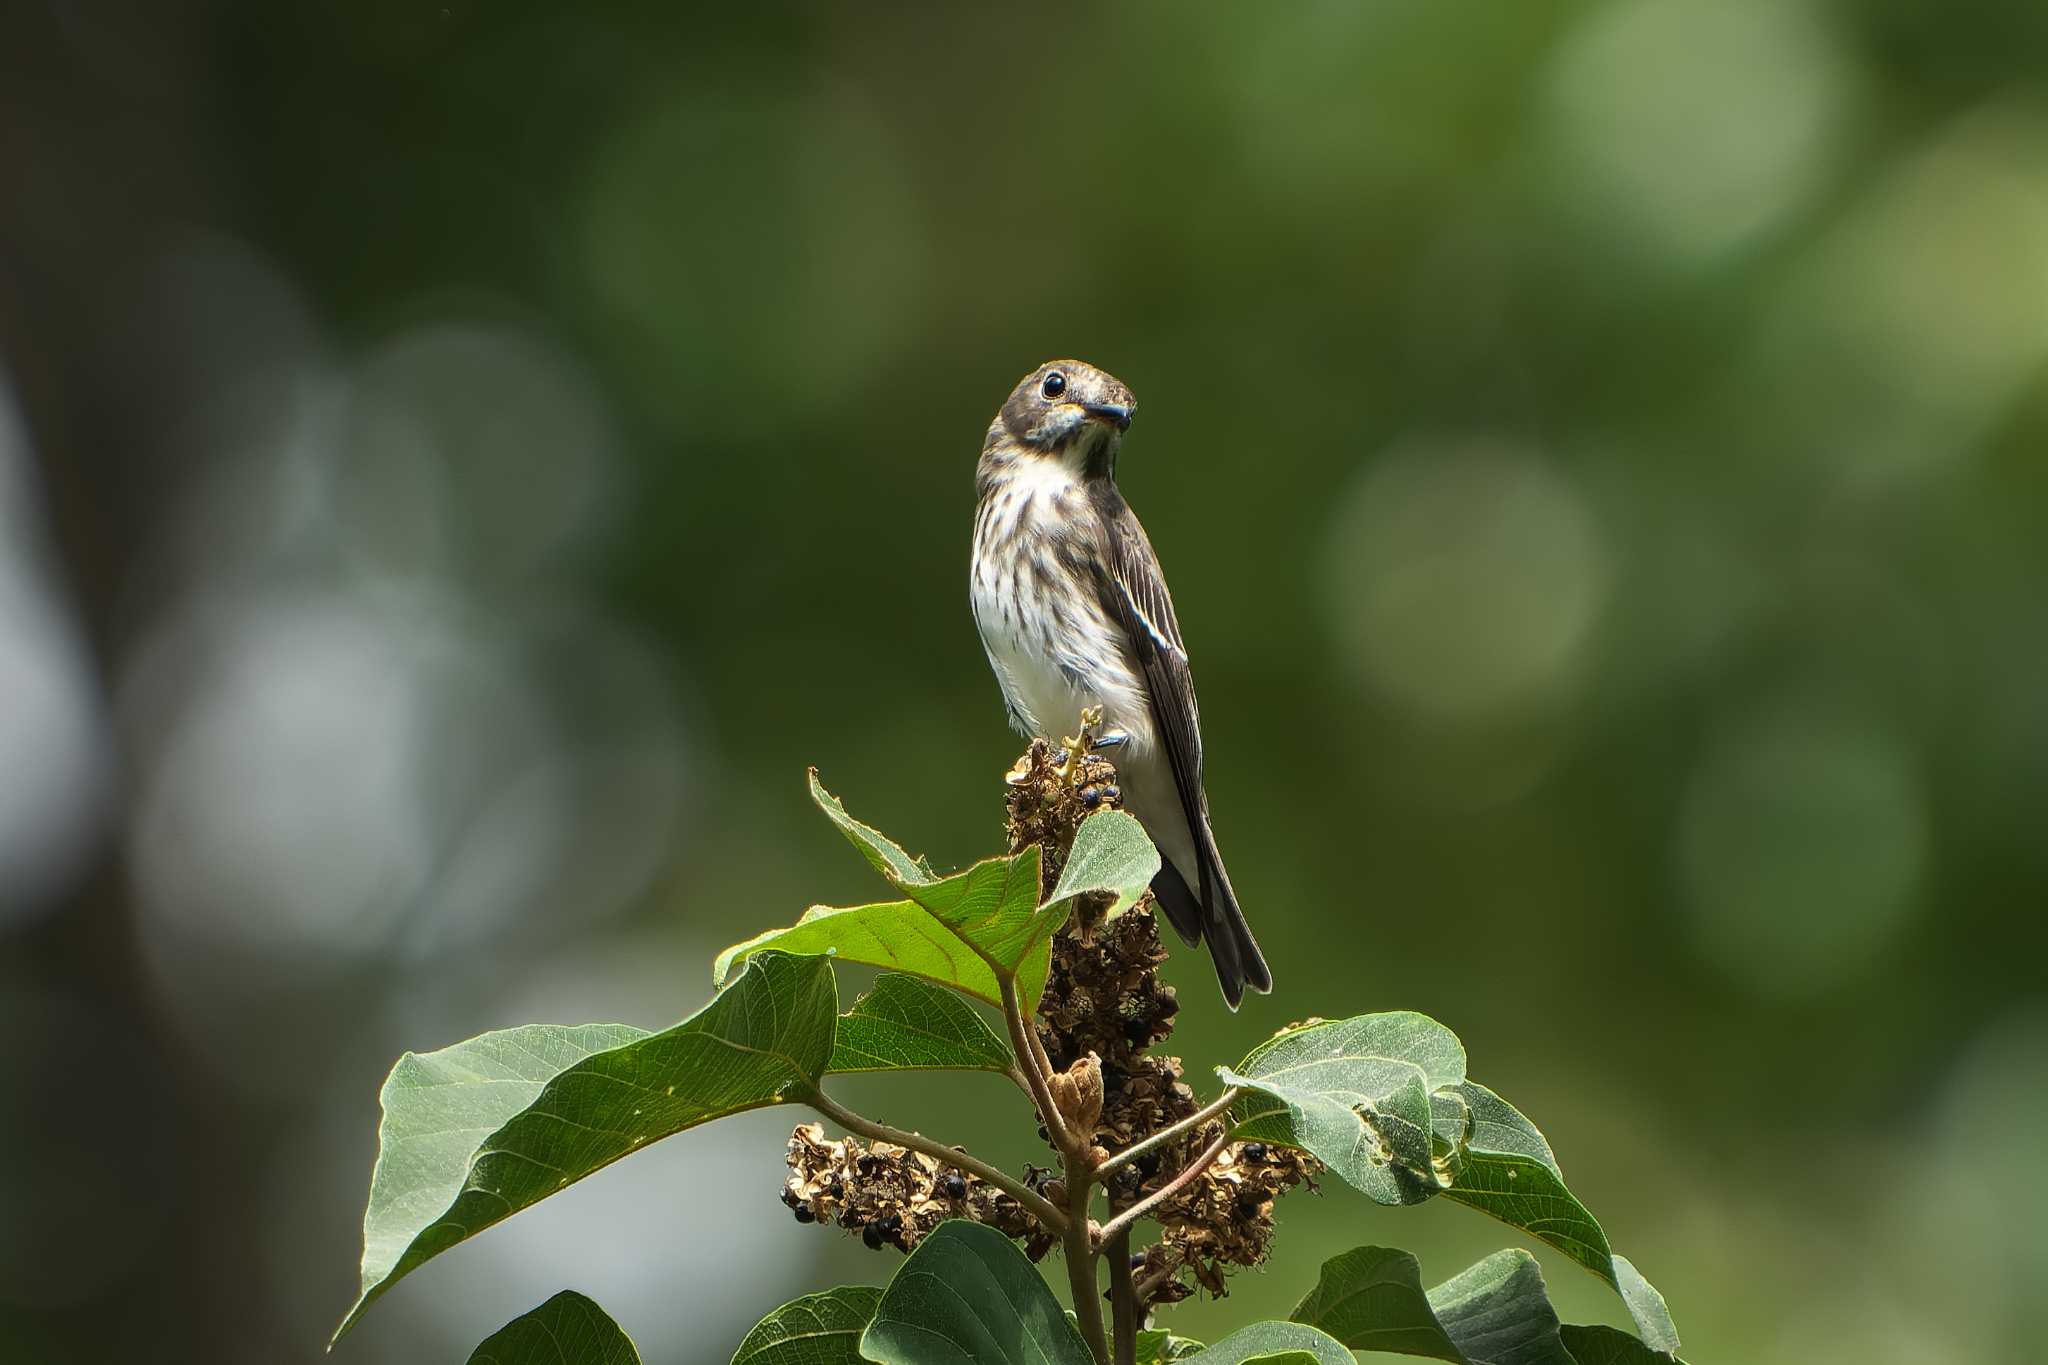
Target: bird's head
<point>1068,411</point>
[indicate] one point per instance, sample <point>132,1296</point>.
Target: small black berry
<point>1167,1003</point>
<point>1091,796</point>
<point>1148,1165</point>
<point>1249,1204</point>
<point>1113,792</point>
<point>1253,1152</point>
<point>954,1187</point>
<point>804,1214</point>
<point>1138,1262</point>
<point>871,1237</point>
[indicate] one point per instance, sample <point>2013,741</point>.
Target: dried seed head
<point>896,1195</point>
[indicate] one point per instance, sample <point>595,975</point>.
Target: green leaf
<point>886,855</point>
<point>1164,1348</point>
<point>1355,1093</point>
<point>1498,1312</point>
<point>991,926</point>
<point>1382,1100</point>
<point>1508,1172</point>
<point>1607,1346</point>
<point>992,907</point>
<point>1371,1299</point>
<point>817,1329</point>
<point>476,1132</point>
<point>1646,1307</point>
<point>966,1296</point>
<point>908,1024</point>
<point>899,935</point>
<point>566,1330</point>
<point>1111,855</point>
<point>1495,1313</point>
<point>1274,1343</point>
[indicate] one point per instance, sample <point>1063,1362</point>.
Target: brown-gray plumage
<point>1074,612</point>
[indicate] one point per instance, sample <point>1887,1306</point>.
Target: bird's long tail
<point>1213,917</point>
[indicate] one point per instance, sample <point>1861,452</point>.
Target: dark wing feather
<point>1133,590</point>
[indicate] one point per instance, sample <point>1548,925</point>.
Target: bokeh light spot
<point>1464,578</point>
<point>1927,310</point>
<point>1698,123</point>
<point>286,811</point>
<point>53,740</point>
<point>1802,839</point>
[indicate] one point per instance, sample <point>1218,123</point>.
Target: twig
<point>1122,1222</point>
<point>1040,1207</point>
<point>1080,1257</point>
<point>1030,1059</point>
<point>1166,1135</point>
<point>1123,1298</point>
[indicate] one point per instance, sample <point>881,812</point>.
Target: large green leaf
<point>1274,1343</point>
<point>1508,1171</point>
<point>476,1132</point>
<point>566,1330</point>
<point>1495,1313</point>
<point>1355,1093</point>
<point>967,1296</point>
<point>817,1329</point>
<point>908,1024</point>
<point>899,935</point>
<point>1607,1346</point>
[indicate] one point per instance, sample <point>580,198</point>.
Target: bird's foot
<point>1079,746</point>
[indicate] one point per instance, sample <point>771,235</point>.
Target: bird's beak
<point>1111,414</point>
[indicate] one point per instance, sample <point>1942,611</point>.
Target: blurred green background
<point>459,463</point>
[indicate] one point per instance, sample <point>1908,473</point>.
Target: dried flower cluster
<point>1102,1013</point>
<point>893,1196</point>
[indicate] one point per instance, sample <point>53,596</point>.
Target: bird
<point>1074,614</point>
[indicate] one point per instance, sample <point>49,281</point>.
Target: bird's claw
<point>1079,746</point>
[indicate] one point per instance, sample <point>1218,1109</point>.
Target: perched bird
<point>1074,614</point>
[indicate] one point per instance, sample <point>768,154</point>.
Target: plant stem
<point>1031,1061</point>
<point>1166,1135</point>
<point>1080,1254</point>
<point>1122,1222</point>
<point>1123,1298</point>
<point>1041,1208</point>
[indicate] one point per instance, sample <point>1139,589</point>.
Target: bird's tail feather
<point>1214,918</point>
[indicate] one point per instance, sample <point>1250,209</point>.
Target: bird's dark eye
<point>1055,384</point>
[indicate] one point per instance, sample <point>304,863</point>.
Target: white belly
<point>1054,649</point>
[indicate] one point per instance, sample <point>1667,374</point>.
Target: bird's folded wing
<point>1133,590</point>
